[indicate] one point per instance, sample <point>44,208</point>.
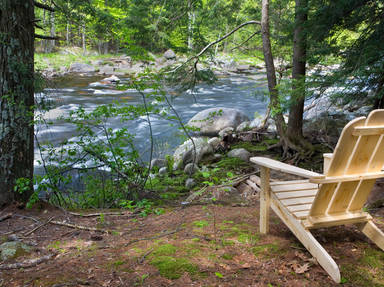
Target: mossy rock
<point>13,249</point>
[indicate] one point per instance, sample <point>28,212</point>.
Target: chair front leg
<point>265,199</point>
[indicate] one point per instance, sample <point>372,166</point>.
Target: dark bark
<point>295,121</point>
<point>16,97</point>
<point>271,72</point>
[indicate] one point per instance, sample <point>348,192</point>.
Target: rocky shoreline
<point>122,65</point>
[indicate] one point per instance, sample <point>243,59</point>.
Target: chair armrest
<point>279,166</point>
<point>327,161</point>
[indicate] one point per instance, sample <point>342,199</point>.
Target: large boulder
<point>240,153</point>
<point>169,55</point>
<point>185,153</point>
<point>210,121</point>
<point>81,68</point>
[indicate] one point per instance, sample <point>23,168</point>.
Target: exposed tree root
<point>26,263</point>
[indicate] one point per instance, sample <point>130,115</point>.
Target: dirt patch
<point>199,245</point>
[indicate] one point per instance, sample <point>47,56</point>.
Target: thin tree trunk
<point>295,122</point>
<point>67,35</point>
<point>191,23</point>
<point>83,39</point>
<point>52,43</point>
<point>16,97</point>
<point>45,42</point>
<point>271,72</point>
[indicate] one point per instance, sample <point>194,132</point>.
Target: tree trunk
<point>16,97</point>
<point>271,73</point>
<point>52,43</point>
<point>83,39</point>
<point>295,122</point>
<point>191,23</point>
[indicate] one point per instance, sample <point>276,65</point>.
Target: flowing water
<point>246,93</point>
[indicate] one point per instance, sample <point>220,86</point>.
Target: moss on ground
<point>173,267</point>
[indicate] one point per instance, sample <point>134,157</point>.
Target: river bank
<point>70,60</point>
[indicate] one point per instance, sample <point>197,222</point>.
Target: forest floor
<point>198,245</point>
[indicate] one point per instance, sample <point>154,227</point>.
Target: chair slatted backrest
<point>356,153</point>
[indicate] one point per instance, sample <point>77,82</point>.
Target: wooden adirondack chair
<point>335,198</point>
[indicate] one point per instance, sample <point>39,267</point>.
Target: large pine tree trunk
<point>295,122</point>
<point>16,96</point>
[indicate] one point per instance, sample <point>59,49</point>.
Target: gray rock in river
<point>81,68</point>
<point>240,153</point>
<point>244,126</point>
<point>210,121</point>
<point>169,55</point>
<point>185,153</point>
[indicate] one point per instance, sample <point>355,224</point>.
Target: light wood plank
<point>327,162</point>
<point>345,178</point>
<point>289,182</point>
<point>373,233</point>
<point>301,214</point>
<point>283,167</point>
<point>360,198</point>
<point>297,201</point>
<point>343,197</point>
<point>293,187</point>
<point>265,198</point>
<point>296,194</point>
<point>368,130</point>
<point>302,207</point>
<point>333,220</point>
<point>307,239</point>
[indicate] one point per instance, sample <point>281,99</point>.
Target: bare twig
<point>196,57</point>
<point>78,226</point>
<point>6,216</point>
<point>27,217</point>
<point>37,227</point>
<point>249,38</point>
<point>142,258</point>
<point>46,37</point>
<point>95,214</point>
<point>43,6</point>
<point>26,263</point>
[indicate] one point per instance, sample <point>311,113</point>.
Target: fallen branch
<point>142,258</point>
<point>95,214</point>
<point>6,216</point>
<point>79,226</point>
<point>38,227</point>
<point>26,263</point>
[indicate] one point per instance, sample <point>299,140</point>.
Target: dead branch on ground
<point>26,263</point>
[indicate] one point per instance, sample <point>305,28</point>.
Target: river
<point>246,93</point>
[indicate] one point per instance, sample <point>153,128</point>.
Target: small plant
<point>218,274</point>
